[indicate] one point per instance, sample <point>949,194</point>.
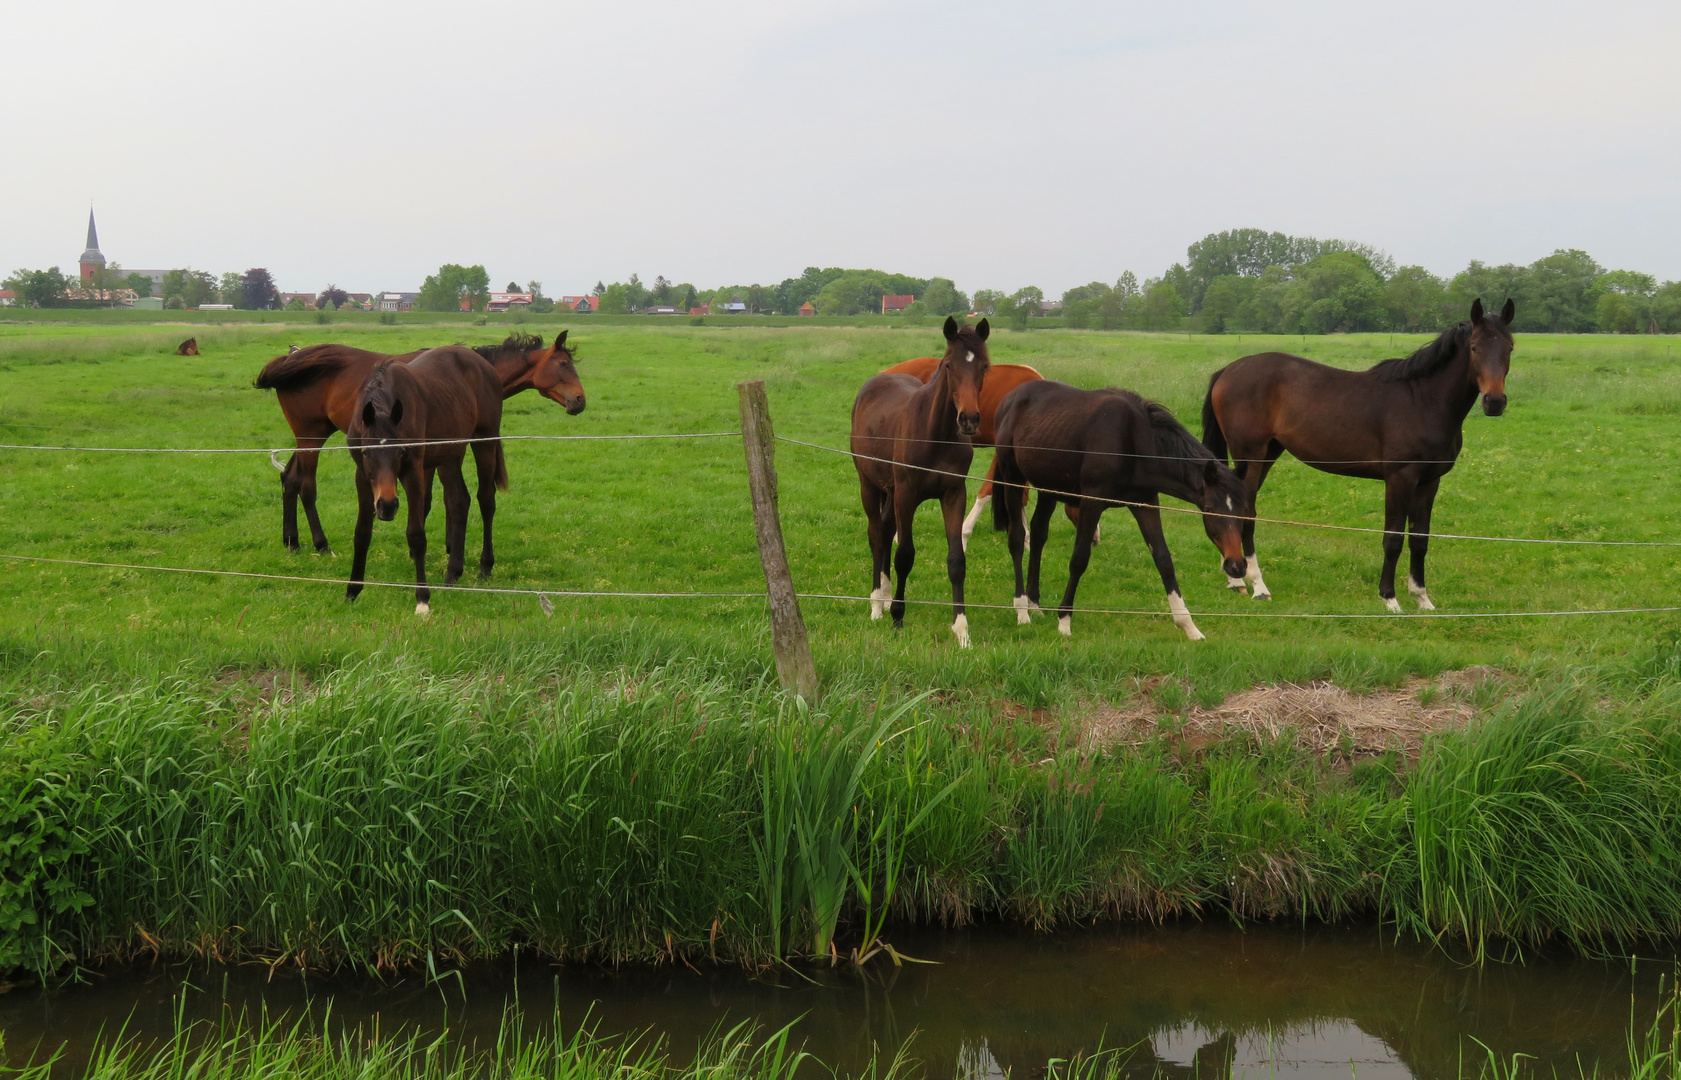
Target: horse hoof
<point>1022,617</point>
<point>1236,585</point>
<point>423,609</point>
<point>960,628</point>
<point>1424,603</point>
<point>1393,605</point>
<point>1262,595</point>
<point>1065,626</point>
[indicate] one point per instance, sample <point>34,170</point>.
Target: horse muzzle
<point>969,422</point>
<point>572,403</point>
<point>1494,404</point>
<point>385,509</point>
<point>1235,568</point>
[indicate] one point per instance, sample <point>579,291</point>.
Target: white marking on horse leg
<point>1182,616</point>
<point>1065,626</point>
<point>960,627</point>
<point>1420,595</point>
<point>878,599</point>
<point>1097,534</point>
<point>423,609</point>
<point>969,523</point>
<point>1257,587</point>
<point>1235,584</point>
<point>1392,604</point>
<point>1022,617</point>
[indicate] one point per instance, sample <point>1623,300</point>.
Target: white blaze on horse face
<point>423,609</point>
<point>1182,616</point>
<point>969,523</point>
<point>1022,617</point>
<point>1420,595</point>
<point>1065,626</point>
<point>1257,587</point>
<point>960,627</point>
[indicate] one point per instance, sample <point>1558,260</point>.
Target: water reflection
<point>1189,1001</point>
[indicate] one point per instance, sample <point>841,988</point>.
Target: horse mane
<point>513,344</point>
<point>1426,361</point>
<point>1174,440</point>
<point>300,367</point>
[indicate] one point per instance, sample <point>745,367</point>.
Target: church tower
<point>92,260</point>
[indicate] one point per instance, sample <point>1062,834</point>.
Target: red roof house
<point>895,305</point>
<point>807,309</point>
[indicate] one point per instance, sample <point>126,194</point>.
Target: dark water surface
<point>1196,1000</point>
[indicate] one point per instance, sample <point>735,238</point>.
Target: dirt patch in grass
<point>1321,716</point>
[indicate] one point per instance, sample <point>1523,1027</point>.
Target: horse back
<point>462,392</point>
<point>1059,434</point>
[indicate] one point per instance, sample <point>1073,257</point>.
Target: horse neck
<point>938,409</point>
<point>514,370</point>
<point>1170,476</point>
<point>1453,385</point>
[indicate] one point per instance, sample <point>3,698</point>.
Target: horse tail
<point>1213,436</point>
<point>501,468</point>
<point>300,368</point>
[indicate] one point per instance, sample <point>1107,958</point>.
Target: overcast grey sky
<point>998,144</point>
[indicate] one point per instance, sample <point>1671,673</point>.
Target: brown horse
<point>1400,422</point>
<point>317,388</point>
<point>187,348</point>
<point>442,394</point>
<point>908,428</point>
<point>1091,446</point>
<point>1000,380</point>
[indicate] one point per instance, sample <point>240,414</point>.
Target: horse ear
<point>561,340</point>
<point>983,329</point>
<point>1509,312</point>
<point>950,328</point>
<point>397,411</point>
<point>368,415</point>
<point>1210,472</point>
<point>1477,311</point>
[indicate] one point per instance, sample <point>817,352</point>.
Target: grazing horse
<point>1000,380</point>
<point>442,394</point>
<point>187,348</point>
<point>317,388</point>
<point>903,428</point>
<point>1097,448</point>
<point>1400,422</point>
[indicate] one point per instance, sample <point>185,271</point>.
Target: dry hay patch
<point>1320,716</point>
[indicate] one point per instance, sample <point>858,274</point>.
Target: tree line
<point>184,288</point>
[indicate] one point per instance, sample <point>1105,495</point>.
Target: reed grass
<point>386,815</point>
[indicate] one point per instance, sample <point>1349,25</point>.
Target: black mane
<point>512,344</point>
<point>1426,361</point>
<point>1174,440</point>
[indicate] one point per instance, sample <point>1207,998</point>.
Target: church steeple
<point>91,259</point>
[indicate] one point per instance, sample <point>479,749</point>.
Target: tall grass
<point>388,815</point>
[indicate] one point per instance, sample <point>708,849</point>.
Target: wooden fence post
<point>787,628</point>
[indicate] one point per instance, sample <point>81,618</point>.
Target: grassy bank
<point>386,815</point>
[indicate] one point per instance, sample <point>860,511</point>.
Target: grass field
<point>256,767</point>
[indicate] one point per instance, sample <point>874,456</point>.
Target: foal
<point>910,442</point>
<point>444,394</point>
<point>1094,449</point>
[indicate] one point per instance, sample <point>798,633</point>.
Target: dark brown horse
<point>1400,422</point>
<point>910,427</point>
<point>1096,448</point>
<point>187,348</point>
<point>442,394</point>
<point>317,388</point>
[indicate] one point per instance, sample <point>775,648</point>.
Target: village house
<point>896,305</point>
<point>502,301</point>
<point>581,304</point>
<point>396,301</point>
<point>307,298</point>
<point>807,308</point>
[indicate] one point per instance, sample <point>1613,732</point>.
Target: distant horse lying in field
<point>1401,422</point>
<point>1000,380</point>
<point>447,393</point>
<point>1097,447</point>
<point>187,348</point>
<point>910,427</point>
<point>317,388</point>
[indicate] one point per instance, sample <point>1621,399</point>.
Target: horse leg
<point>484,456</point>
<point>983,499</point>
<point>289,504</point>
<point>1254,474</point>
<point>1017,530</point>
<point>1037,532</point>
<point>457,502</point>
<point>297,482</point>
<point>1090,511</point>
<point>363,534</point>
<point>413,479</point>
<point>878,520</point>
<point>951,504</point>
<point>1397,496</point>
<point>904,513</point>
<point>1150,524</point>
<point>1418,540</point>
<point>1072,510</point>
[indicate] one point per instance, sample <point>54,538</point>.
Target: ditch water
<point>1194,1000</point>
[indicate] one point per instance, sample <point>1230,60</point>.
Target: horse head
<point>965,363</point>
<point>556,378</point>
<point>1490,343</point>
<point>1225,502</point>
<point>375,426</point>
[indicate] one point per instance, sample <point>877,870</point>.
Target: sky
<point>1000,145</point>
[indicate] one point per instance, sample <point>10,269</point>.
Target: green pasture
<point>1586,451</point>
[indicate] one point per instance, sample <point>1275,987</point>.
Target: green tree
<point>331,298</point>
<point>1345,294</point>
<point>188,288</point>
<point>942,297</point>
<point>1666,308</point>
<point>987,301</point>
<point>540,304</point>
<point>1415,300</point>
<point>1616,313</point>
<point>39,288</point>
<point>140,283</point>
<point>453,283</point>
<point>297,304</point>
<point>636,295</point>
<point>1162,308</point>
<point>1225,301</point>
<point>614,300</point>
<point>231,290</point>
<point>1024,304</point>
<point>257,291</point>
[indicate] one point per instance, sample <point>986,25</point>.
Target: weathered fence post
<point>787,628</point>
